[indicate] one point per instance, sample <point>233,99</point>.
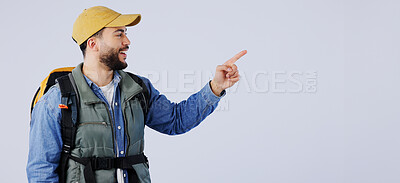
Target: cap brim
<point>125,20</point>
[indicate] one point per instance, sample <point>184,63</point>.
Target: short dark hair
<point>84,44</point>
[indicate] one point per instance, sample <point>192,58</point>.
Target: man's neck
<point>97,72</point>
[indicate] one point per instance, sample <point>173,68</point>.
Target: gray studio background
<point>318,101</point>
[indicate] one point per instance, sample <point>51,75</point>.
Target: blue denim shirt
<point>164,116</point>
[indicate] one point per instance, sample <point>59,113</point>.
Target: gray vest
<point>94,136</point>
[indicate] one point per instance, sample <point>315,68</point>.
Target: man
<point>111,122</point>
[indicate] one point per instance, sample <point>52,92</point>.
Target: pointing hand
<point>226,75</point>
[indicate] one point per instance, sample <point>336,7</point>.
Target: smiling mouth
<point>123,53</point>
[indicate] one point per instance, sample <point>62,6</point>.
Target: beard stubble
<point>110,58</point>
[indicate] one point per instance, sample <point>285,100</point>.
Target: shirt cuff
<point>209,96</point>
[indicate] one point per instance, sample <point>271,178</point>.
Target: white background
<point>347,131</point>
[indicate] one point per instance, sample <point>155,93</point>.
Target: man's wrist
<point>216,90</point>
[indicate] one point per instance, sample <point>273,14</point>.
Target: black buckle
<point>66,148</point>
<point>102,163</point>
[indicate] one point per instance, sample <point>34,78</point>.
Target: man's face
<point>113,45</point>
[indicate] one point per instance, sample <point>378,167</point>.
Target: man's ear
<point>92,44</point>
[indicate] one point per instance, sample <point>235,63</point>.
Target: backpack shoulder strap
<point>144,97</point>
<point>49,81</point>
<point>69,113</point>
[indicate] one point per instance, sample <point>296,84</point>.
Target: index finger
<point>235,58</point>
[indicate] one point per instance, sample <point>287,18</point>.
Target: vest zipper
<point>126,123</point>
<point>145,105</point>
<point>144,119</point>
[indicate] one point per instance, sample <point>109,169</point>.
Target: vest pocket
<point>94,138</point>
<point>94,123</point>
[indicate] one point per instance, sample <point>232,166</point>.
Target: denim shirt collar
<point>93,86</point>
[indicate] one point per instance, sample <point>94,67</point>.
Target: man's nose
<point>126,40</point>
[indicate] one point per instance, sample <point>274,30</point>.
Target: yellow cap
<point>95,18</point>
